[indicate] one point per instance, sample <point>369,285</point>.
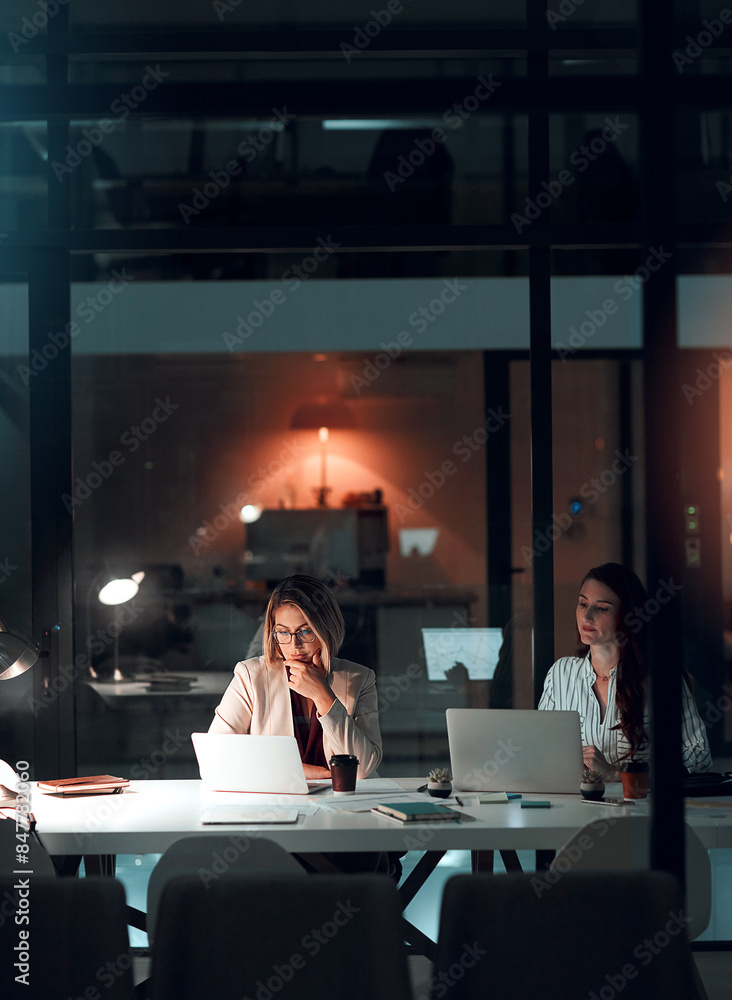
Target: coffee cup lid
<point>634,766</point>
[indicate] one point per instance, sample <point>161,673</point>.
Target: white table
<point>151,815</point>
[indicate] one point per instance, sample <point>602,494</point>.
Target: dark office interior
<point>426,301</point>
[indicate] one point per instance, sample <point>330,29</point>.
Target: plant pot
<point>439,789</point>
<point>594,791</point>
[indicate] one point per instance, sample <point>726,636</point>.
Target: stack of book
<point>418,812</point>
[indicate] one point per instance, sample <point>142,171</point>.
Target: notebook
<point>230,762</point>
<point>514,750</point>
<point>418,812</point>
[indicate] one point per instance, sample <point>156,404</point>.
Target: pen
<point>459,800</point>
<point>422,788</point>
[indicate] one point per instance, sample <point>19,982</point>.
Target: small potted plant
<point>591,784</point>
<point>439,782</point>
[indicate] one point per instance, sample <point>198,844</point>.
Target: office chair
<point>76,940</point>
<point>213,856</point>
<point>621,843</point>
<point>280,935</point>
<point>590,934</point>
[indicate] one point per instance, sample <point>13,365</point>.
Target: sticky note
<point>536,805</point>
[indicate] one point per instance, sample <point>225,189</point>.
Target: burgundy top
<point>308,731</point>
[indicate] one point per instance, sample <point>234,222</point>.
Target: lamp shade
<point>325,411</point>
<point>121,589</point>
<point>17,653</point>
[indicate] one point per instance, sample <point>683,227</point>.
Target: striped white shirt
<point>568,686</point>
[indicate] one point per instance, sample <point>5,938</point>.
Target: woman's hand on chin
<point>311,680</point>
<point>313,772</point>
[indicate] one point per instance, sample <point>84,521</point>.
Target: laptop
<point>475,648</point>
<point>233,762</point>
<point>514,750</point>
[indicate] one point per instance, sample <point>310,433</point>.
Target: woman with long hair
<point>606,681</point>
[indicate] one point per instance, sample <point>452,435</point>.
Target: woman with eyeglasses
<point>300,687</point>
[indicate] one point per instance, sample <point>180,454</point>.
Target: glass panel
<point>171,442</point>
<point>598,491</point>
<point>594,165</point>
<point>703,37</point>
<point>23,175</point>
<point>704,166</point>
<point>456,167</point>
<point>22,20</point>
<point>24,70</point>
<point>592,63</point>
<point>87,14</point>
<point>719,712</point>
<point>16,719</point>
<point>598,478</point>
<point>245,67</point>
<point>562,14</point>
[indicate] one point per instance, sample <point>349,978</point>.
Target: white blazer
<point>258,702</point>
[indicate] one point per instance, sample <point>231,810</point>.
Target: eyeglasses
<point>303,634</point>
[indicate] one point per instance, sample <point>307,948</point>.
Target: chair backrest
<point>212,856</point>
<point>76,937</point>
<point>12,847</point>
<point>622,843</point>
<point>280,936</point>
<point>590,934</point>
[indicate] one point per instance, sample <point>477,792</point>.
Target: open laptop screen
<point>476,648</point>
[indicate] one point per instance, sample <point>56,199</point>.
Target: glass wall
<point>23,175</point>
<point>268,209</point>
<point>192,401</point>
<point>288,169</point>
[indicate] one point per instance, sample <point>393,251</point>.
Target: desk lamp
<point>119,591</point>
<point>323,415</point>
<point>17,653</point>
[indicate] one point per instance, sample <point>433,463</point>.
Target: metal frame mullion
<point>540,376</point>
<point>325,42</point>
<point>499,535</point>
<point>295,238</point>
<point>51,518</point>
<point>662,437</point>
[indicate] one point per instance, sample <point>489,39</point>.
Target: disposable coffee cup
<point>343,770</point>
<point>634,774</point>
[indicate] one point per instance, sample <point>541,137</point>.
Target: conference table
<point>151,815</point>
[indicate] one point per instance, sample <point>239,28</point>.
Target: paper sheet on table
<point>377,786</point>
<point>305,804</point>
<point>230,815</point>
